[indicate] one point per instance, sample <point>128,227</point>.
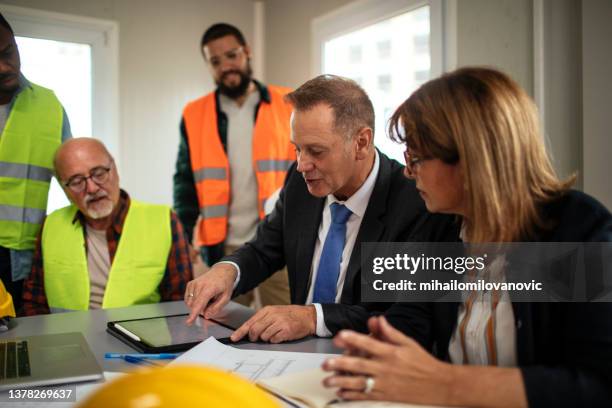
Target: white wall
<point>562,85</point>
<point>488,32</point>
<point>287,38</point>
<point>497,33</point>
<point>576,66</point>
<point>596,94</point>
<point>160,71</point>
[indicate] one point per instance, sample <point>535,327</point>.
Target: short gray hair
<point>351,105</point>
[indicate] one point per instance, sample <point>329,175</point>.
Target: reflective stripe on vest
<point>137,269</point>
<point>20,214</point>
<point>32,134</point>
<point>273,165</point>
<point>273,154</point>
<point>212,173</point>
<point>213,211</point>
<point>25,171</point>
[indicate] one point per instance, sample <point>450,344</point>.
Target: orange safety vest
<point>273,154</point>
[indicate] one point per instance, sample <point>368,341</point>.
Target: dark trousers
<point>14,288</point>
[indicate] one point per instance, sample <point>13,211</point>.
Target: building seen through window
<point>65,68</point>
<point>389,59</point>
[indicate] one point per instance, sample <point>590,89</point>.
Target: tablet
<point>167,333</point>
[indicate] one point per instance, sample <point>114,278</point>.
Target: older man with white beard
<point>104,250</point>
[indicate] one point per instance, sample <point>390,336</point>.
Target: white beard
<point>99,209</point>
<point>105,208</point>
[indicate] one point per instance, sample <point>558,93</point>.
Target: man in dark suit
<point>341,192</point>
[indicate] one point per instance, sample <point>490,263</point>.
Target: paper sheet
<point>251,364</point>
<point>307,389</point>
<point>305,386</point>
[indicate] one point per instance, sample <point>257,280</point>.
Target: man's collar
<point>358,202</point>
<point>264,93</point>
<point>118,217</point>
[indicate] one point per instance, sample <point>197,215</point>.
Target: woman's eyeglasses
<point>413,163</point>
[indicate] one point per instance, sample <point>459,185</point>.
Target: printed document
<point>251,364</point>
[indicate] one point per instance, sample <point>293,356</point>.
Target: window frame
<point>360,14</point>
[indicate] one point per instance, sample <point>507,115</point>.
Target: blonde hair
<point>484,121</point>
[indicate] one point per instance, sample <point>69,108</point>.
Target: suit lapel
<point>371,229</point>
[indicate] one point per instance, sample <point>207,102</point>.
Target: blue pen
<point>138,360</point>
<point>161,356</point>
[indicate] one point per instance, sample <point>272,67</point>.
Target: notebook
<point>305,389</point>
<point>49,359</point>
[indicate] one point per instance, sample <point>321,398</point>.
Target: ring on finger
<point>369,385</point>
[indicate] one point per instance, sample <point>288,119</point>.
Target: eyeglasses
<point>231,56</point>
<point>98,175</point>
<point>413,163</point>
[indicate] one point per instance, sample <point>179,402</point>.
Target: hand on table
<point>276,324</point>
<point>401,370</point>
<point>208,294</point>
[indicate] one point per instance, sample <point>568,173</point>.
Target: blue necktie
<point>329,265</point>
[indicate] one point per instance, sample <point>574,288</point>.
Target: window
<point>392,50</point>
<point>421,76</point>
<point>355,54</point>
<point>384,83</point>
<point>384,49</point>
<point>66,68</point>
<point>76,57</point>
<point>421,44</point>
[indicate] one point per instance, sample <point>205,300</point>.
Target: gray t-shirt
<point>98,265</point>
<point>243,214</point>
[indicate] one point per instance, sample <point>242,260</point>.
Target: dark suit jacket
<point>564,350</point>
<point>288,235</point>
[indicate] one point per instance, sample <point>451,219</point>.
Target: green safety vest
<point>136,271</point>
<point>32,134</point>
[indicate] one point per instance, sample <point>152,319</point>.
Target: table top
<point>92,324</point>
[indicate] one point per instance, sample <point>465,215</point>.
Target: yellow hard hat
<point>179,386</point>
<point>6,302</point>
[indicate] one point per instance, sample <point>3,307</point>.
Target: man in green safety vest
<point>105,250</point>
<point>33,124</point>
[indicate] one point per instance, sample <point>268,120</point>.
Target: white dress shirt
<point>357,203</point>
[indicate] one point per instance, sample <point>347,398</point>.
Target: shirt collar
<point>264,93</point>
<point>118,218</point>
<point>358,202</point>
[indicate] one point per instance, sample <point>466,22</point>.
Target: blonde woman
<point>474,147</point>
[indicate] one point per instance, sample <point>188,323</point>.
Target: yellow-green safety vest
<point>32,134</point>
<point>137,268</point>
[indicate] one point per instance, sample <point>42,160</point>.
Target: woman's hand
<point>401,369</point>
